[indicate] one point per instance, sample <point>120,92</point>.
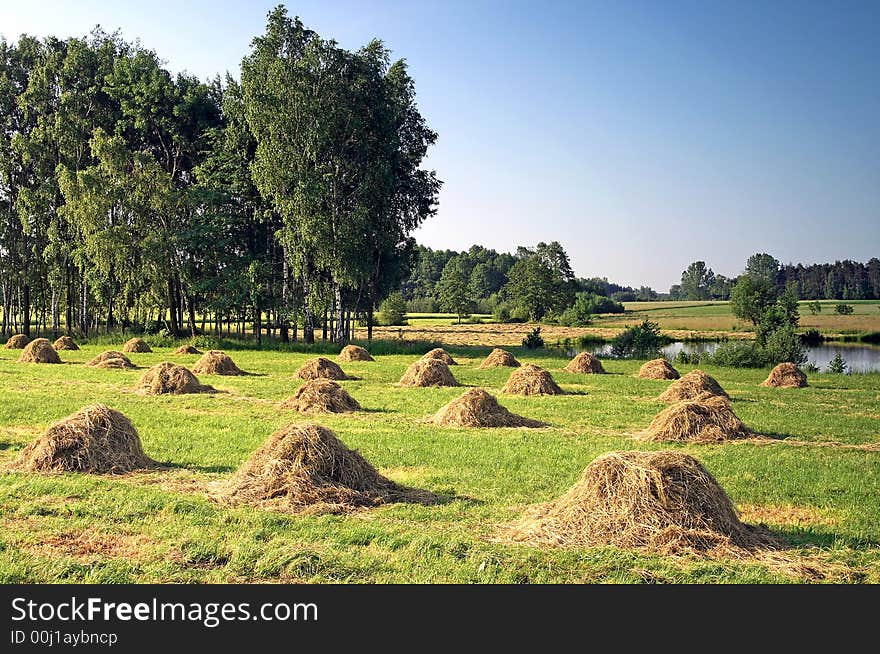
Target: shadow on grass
<point>793,536</point>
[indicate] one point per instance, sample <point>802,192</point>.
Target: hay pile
<point>321,396</point>
<point>440,354</point>
<point>321,368</point>
<point>499,358</point>
<point>585,363</point>
<point>187,349</point>
<point>658,369</point>
<point>65,343</point>
<point>306,468</point>
<point>476,408</point>
<point>786,375</point>
<point>664,502</point>
<point>136,345</point>
<point>428,372</point>
<point>531,380</point>
<point>39,350</point>
<point>111,359</point>
<point>708,420</point>
<point>355,353</point>
<point>95,439</point>
<point>166,377</point>
<point>17,342</point>
<point>693,386</point>
<point>215,362</point>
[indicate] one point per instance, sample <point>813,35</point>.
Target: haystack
<point>215,362</point>
<point>95,439</point>
<point>321,368</point>
<point>707,420</point>
<point>658,369</point>
<point>187,349</point>
<point>111,359</point>
<point>664,502</point>
<point>65,343</point>
<point>440,354</point>
<point>585,363</point>
<point>428,372</point>
<point>531,380</point>
<point>355,353</point>
<point>321,396</point>
<point>693,386</point>
<point>476,408</point>
<point>499,358</point>
<point>136,345</point>
<point>786,375</point>
<point>307,468</point>
<point>17,342</point>
<point>170,378</point>
<point>39,350</point>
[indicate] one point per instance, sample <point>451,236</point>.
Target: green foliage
<point>392,311</point>
<point>578,314</point>
<point>697,281</point>
<point>454,289</point>
<point>739,354</point>
<point>640,342</point>
<point>812,337</point>
<point>815,307</point>
<point>785,344</point>
<point>837,365</point>
<point>843,309</point>
<point>751,296</point>
<point>533,339</point>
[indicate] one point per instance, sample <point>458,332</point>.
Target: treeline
<point>134,198</point>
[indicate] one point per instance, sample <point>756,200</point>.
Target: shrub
<point>534,340</point>
<point>501,314</point>
<point>837,365</point>
<point>812,337</point>
<point>578,314</point>
<point>739,354</point>
<point>843,309</point>
<point>422,305</point>
<point>392,311</point>
<point>601,304</point>
<point>811,367</point>
<point>784,344</point>
<point>815,307</point>
<point>640,342</point>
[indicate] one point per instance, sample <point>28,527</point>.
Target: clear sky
<point>642,135</point>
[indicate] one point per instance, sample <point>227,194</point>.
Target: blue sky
<point>642,135</point>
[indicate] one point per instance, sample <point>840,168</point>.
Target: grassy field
<point>812,487</point>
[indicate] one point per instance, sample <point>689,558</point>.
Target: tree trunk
<point>26,310</point>
<point>340,335</point>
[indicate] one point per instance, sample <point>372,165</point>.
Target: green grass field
<point>161,527</point>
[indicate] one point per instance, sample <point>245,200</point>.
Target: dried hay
<point>17,342</point>
<point>664,502</point>
<point>321,368</point>
<point>321,396</point>
<point>187,349</point>
<point>166,377</point>
<point>707,420</point>
<point>477,408</point>
<point>64,343</point>
<point>658,369</point>
<point>499,358</point>
<point>694,385</point>
<point>39,350</point>
<point>786,375</point>
<point>306,468</point>
<point>95,439</point>
<point>440,354</point>
<point>136,345</point>
<point>428,372</point>
<point>585,363</point>
<point>531,380</point>
<point>355,353</point>
<point>111,359</point>
<point>215,362</point>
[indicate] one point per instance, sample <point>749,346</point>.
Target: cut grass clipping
<point>65,343</point>
<point>169,378</point>
<point>187,349</point>
<point>499,358</point>
<point>428,372</point>
<point>440,354</point>
<point>585,363</point>
<point>321,368</point>
<point>786,375</point>
<point>215,362</point>
<point>111,359</point>
<point>136,345</point>
<point>707,420</point>
<point>693,386</point>
<point>17,342</point>
<point>658,369</point>
<point>321,396</point>
<point>477,408</point>
<point>95,439</point>
<point>664,502</point>
<point>529,379</point>
<point>354,353</point>
<point>39,350</point>
<point>306,468</point>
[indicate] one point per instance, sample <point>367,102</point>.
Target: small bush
<point>843,309</point>
<point>811,367</point>
<point>534,340</point>
<point>784,344</point>
<point>837,365</point>
<point>578,314</point>
<point>739,354</point>
<point>815,307</point>
<point>640,342</point>
<point>392,311</point>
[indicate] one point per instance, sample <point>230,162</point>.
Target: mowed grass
<point>161,526</point>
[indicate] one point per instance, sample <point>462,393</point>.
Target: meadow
<point>814,485</point>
